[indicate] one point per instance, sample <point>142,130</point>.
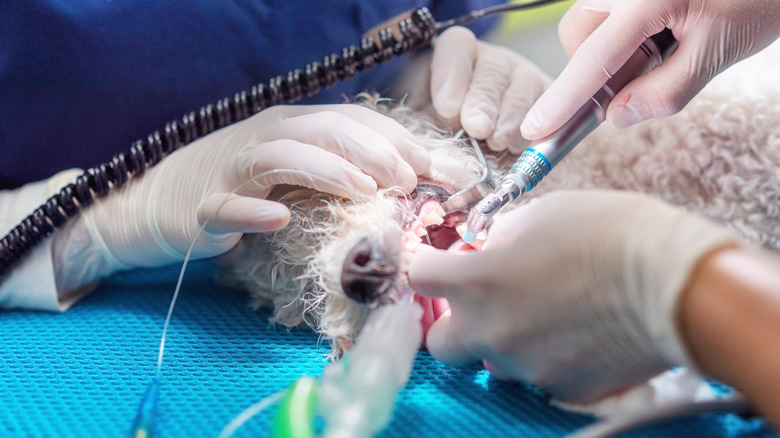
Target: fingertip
<point>458,34</point>
<point>364,184</point>
<point>421,253</point>
<point>624,115</point>
<point>478,124</point>
<point>444,344</point>
<point>224,214</point>
<point>420,266</point>
<point>579,22</point>
<point>530,128</point>
<point>451,69</point>
<point>407,178</point>
<point>495,371</point>
<point>507,132</point>
<point>273,216</point>
<point>446,101</point>
<point>397,173</point>
<point>420,159</point>
<point>499,142</point>
<point>264,216</point>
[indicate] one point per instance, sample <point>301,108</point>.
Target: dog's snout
<point>370,273</point>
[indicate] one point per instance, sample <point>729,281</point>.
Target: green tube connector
<point>295,417</point>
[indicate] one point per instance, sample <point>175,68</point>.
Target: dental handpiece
<point>537,161</point>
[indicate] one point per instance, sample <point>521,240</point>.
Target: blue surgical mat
<point>82,373</point>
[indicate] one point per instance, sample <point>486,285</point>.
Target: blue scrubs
<point>80,81</point>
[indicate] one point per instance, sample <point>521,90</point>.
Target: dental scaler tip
<point>482,213</point>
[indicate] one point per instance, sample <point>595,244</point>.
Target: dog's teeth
<point>420,231</point>
<point>415,238</point>
<point>434,217</point>
<point>462,229</point>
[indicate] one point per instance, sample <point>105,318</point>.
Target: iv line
<point>143,424</point>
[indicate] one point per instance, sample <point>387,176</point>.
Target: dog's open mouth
<point>374,272</point>
<point>426,219</point>
<point>373,269</point>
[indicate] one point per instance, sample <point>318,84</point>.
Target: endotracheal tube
<point>354,396</point>
<point>358,393</point>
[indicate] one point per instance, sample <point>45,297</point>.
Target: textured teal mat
<point>82,373</point>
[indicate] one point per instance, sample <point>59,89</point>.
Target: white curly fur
<point>720,157</point>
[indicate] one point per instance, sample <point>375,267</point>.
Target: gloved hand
<point>600,35</point>
<point>346,150</point>
<point>487,88</point>
<point>575,291</point>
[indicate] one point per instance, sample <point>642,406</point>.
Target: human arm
<point>730,320</point>
<point>31,283</point>
<point>347,150</point>
<point>599,36</point>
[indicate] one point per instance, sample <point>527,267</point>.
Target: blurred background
<point>534,34</point>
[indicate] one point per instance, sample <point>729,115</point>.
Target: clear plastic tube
<point>358,393</point>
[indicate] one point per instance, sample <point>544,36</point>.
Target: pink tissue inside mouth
<point>441,235</point>
<point>433,308</point>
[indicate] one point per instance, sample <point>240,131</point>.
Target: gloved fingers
<point>527,84</point>
<point>295,163</point>
<point>662,92</point>
<point>410,148</point>
<point>369,147</point>
<point>509,227</point>
<point>580,20</point>
<point>454,56</point>
<point>224,213</point>
<point>436,273</point>
<point>440,306</point>
<point>482,102</point>
<point>594,62</point>
<point>401,139</point>
<point>446,344</point>
<point>428,317</point>
<point>496,371</point>
<point>433,309</point>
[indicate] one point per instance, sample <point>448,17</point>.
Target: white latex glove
<point>31,284</point>
<point>488,87</point>
<point>600,35</point>
<point>152,221</point>
<point>575,292</point>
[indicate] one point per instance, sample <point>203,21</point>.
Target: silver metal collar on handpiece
<point>471,195</point>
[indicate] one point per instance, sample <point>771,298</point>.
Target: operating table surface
<point>83,372</point>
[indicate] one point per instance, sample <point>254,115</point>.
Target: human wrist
<point>729,317</point>
<point>80,256</point>
<point>670,244</point>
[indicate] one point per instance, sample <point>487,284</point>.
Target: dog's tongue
<point>431,228</point>
<point>433,308</point>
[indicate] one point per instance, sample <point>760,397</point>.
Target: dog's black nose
<point>370,274</point>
